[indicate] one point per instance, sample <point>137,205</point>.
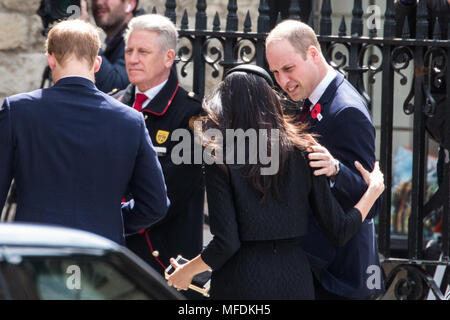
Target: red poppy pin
<point>315,112</point>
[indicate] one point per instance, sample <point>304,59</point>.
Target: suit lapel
<point>330,91</point>
<point>325,103</point>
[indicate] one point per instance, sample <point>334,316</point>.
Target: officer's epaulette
<point>113,91</point>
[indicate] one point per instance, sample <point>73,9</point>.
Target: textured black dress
<point>255,252</point>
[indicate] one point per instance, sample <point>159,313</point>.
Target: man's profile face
<point>109,14</point>
<point>146,65</point>
<point>295,75</point>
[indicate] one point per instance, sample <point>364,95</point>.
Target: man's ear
<point>170,57</point>
<point>97,63</point>
<point>313,52</point>
<point>130,6</point>
<point>51,60</point>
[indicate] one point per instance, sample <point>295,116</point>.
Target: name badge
<point>161,151</point>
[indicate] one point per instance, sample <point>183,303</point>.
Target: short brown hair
<point>73,37</point>
<point>299,35</point>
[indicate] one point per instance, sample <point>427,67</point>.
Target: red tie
<point>140,98</point>
<point>305,110</point>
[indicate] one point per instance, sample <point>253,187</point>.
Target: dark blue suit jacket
<point>73,151</point>
<point>113,73</point>
<point>347,131</point>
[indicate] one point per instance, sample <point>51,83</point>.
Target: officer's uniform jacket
<point>181,231</point>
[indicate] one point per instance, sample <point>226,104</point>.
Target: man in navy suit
<point>338,114</point>
<point>75,151</point>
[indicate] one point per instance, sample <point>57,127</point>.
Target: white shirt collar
<point>322,86</point>
<point>150,93</point>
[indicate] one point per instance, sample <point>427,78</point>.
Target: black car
<point>55,263</point>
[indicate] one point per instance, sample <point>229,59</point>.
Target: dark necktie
<point>305,111</point>
<point>140,99</point>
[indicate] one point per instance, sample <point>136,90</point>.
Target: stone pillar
<point>22,58</point>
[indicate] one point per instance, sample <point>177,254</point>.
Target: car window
<point>4,291</point>
<point>2,286</point>
<point>61,278</point>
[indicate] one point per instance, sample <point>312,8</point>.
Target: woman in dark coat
<point>256,219</point>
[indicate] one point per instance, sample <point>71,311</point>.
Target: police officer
<point>150,43</point>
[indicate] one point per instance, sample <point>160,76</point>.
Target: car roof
<point>37,235</point>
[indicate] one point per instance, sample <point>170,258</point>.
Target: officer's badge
<point>161,136</point>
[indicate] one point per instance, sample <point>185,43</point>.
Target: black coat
<point>256,252</point>
<point>181,231</point>
<point>112,73</point>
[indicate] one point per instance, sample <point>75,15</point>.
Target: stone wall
<point>21,46</point>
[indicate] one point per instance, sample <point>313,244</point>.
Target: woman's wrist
<point>375,190</point>
<point>196,265</point>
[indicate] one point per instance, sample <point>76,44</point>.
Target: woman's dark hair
<point>246,101</point>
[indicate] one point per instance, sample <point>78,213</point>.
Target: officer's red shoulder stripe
<point>168,104</point>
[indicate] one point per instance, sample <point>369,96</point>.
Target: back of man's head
<point>74,38</point>
<point>299,35</point>
<point>165,28</point>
